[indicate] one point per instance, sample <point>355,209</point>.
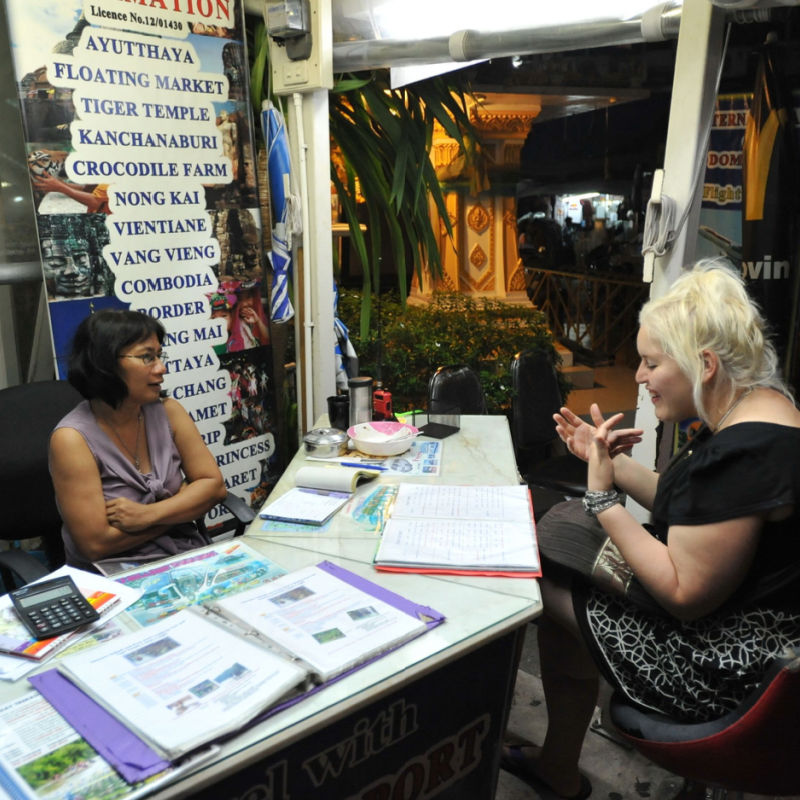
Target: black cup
<point>339,411</point>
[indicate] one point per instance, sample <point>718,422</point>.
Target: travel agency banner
<point>141,154</point>
<point>749,210</point>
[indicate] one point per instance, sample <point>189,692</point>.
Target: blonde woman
<point>720,562</point>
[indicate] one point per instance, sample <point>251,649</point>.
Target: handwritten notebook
<point>474,530</point>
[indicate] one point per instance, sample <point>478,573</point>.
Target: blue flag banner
<point>279,168</point>
<point>344,352</point>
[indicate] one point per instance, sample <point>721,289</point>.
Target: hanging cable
<point>659,228</point>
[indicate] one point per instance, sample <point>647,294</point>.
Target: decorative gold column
<point>482,258</point>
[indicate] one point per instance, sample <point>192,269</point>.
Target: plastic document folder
<point>134,759</point>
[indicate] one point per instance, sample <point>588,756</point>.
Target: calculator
<point>52,607</point>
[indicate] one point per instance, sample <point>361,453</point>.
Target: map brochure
<point>197,577</point>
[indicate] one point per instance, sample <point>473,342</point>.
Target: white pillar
<point>318,262</point>
<point>305,83</point>
<point>694,89</point>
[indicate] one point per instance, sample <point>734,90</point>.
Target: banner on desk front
<point>141,154</point>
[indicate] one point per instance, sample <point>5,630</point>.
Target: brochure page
<point>182,682</point>
<point>424,457</point>
<point>42,757</point>
<point>327,623</point>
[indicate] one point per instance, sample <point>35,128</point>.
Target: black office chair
<point>543,460</point>
<point>243,515</point>
<point>456,390</point>
<point>28,413</point>
<point>752,749</point>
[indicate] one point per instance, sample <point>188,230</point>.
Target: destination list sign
<point>156,137</point>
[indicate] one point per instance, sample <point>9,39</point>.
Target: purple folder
<point>136,760</point>
<point>126,752</point>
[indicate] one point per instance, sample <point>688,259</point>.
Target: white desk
<point>456,680</point>
<point>425,720</point>
<point>481,452</point>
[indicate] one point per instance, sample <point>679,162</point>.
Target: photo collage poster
<point>141,153</point>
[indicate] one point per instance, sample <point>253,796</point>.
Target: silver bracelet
<point>596,502</point>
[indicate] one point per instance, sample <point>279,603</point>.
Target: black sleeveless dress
<point>699,670</point>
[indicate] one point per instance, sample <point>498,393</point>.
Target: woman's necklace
<point>732,407</point>
<point>133,455</point>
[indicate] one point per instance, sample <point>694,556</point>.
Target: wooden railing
<point>598,312</point>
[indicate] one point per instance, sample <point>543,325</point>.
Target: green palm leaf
<point>384,136</point>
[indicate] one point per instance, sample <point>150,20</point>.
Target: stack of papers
<point>20,653</point>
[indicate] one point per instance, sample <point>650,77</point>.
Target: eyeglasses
<point>148,359</point>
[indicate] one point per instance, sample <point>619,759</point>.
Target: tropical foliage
<point>407,343</point>
<point>384,137</point>
<point>381,138</point>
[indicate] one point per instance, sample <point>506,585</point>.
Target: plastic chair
<point>542,459</point>
<point>456,390</point>
<point>753,749</point>
<point>28,414</point>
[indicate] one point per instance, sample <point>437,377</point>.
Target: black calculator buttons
<point>52,607</point>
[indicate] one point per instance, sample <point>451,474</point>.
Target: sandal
<point>512,760</point>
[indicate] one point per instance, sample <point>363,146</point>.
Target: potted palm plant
<point>381,138</point>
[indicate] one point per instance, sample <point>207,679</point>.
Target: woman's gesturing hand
<point>601,470</point>
<point>578,435</point>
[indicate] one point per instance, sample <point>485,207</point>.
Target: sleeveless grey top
<point>120,478</point>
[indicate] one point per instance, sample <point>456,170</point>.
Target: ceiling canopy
<point>370,34</point>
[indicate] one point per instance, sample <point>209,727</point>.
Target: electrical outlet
<point>314,72</point>
<point>295,73</point>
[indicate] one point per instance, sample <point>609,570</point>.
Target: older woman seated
<point>130,469</point>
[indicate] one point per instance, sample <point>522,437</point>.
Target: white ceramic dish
<point>382,438</point>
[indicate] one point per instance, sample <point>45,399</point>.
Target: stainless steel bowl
<point>325,443</point>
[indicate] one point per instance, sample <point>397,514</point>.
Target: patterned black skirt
<point>693,671</point>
